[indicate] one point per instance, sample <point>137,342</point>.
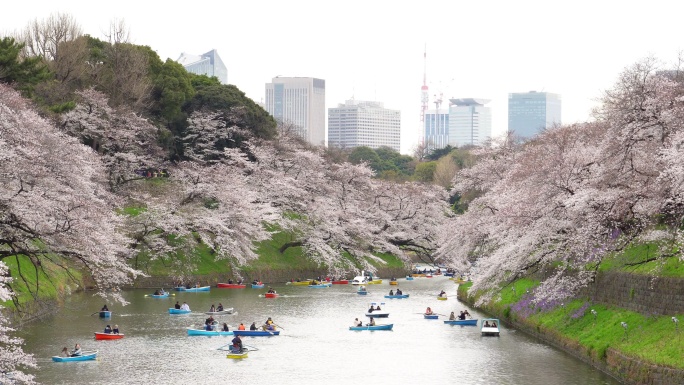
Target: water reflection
<point>315,343</point>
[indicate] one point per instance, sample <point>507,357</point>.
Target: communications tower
<point>424,91</point>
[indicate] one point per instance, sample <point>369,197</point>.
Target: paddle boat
<point>376,281</point>
<point>375,327</point>
<point>490,327</point>
<point>362,291</point>
<point>231,285</point>
<point>85,356</point>
<point>377,313</point>
<point>237,355</point>
<point>397,296</point>
<point>259,285</point>
<point>256,333</point>
<point>341,282</point>
<point>173,310</point>
<point>271,295</point>
<point>430,316</point>
<point>222,312</point>
<point>108,336</point>
<point>417,275</point>
<point>203,332</point>
<point>471,322</point>
<point>196,289</point>
<point>360,280</point>
<point>442,297</point>
<point>428,275</point>
<point>301,283</point>
<point>409,278</point>
<point>163,295</point>
<point>105,314</point>
<point>394,283</point>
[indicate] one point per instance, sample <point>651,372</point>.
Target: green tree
<point>25,73</point>
<point>365,154</point>
<point>425,171</point>
<point>439,152</point>
<point>172,90</point>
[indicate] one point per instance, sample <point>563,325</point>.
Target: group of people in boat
<point>108,329</point>
<point>184,306</point>
<point>239,282</point>
<point>490,325</point>
<point>358,323</point>
<point>399,292</point>
<point>271,290</point>
<point>74,353</point>
<point>214,309</point>
<point>461,316</point>
<point>372,309</point>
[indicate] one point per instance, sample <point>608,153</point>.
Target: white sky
<point>373,49</point>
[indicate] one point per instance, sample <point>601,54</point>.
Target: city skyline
<point>575,49</point>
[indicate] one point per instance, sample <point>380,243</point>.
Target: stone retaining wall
<point>642,294</point>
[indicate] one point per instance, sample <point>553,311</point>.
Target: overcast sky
<point>373,49</point>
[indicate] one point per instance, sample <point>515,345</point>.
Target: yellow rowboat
<point>394,283</point>
<point>375,282</point>
<point>418,275</point>
<point>237,355</point>
<point>442,298</point>
<point>302,283</point>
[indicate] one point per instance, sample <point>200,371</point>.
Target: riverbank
<point>634,347</point>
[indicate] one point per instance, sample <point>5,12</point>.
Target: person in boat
<point>77,351</point>
<point>104,308</point>
<point>108,329</point>
<point>377,307</point>
<point>188,286</point>
<point>452,316</point>
<point>486,324</point>
<point>253,326</point>
<point>493,324</point>
<point>210,321</point>
<point>239,282</point>
<point>116,329</point>
<point>177,305</point>
<point>371,322</point>
<point>270,290</point>
<point>399,292</point>
<point>212,309</point>
<point>362,288</point>
<point>357,323</point>
<point>185,306</point>
<point>230,281</point>
<point>465,312</point>
<point>156,292</point>
<point>225,327</point>
<point>237,343</point>
<point>220,307</point>
<point>255,282</point>
<point>208,327</point>
<point>428,311</point>
<point>442,293</point>
<point>371,308</point>
<point>241,327</point>
<point>461,316</point>
<point>65,352</point>
<point>391,292</point>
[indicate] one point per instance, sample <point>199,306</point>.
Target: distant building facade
<point>362,123</point>
<point>436,129</point>
<point>209,64</point>
<point>470,122</point>
<point>299,101</point>
<point>531,112</point>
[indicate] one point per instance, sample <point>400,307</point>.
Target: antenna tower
<point>424,91</point>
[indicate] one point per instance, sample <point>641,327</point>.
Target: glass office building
<point>300,102</point>
<point>436,129</point>
<point>531,112</point>
<point>209,64</point>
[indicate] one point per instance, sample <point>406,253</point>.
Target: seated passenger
<point>461,316</point>
<point>428,311</point>
<point>486,324</point>
<point>391,292</point>
<point>253,326</point>
<point>225,327</point>
<point>116,329</point>
<point>108,329</point>
<point>212,309</point>
<point>452,316</point>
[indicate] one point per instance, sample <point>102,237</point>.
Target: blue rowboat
<point>409,278</point>
<point>430,316</point>
<point>179,288</point>
<point>85,356</point>
<point>196,289</point>
<point>201,332</point>
<point>376,327</point>
<point>255,333</point>
<point>178,311</point>
<point>397,296</point>
<point>105,314</point>
<point>165,295</point>
<point>259,286</point>
<point>320,286</point>
<point>472,322</point>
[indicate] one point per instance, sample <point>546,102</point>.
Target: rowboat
<point>394,283</point>
<point>196,289</point>
<point>271,295</point>
<point>375,327</point>
<point>490,327</point>
<point>320,286</point>
<point>178,311</point>
<point>237,355</point>
<point>230,286</point>
<point>301,283</point>
<point>375,282</point>
<point>256,333</point>
<point>202,332</point>
<point>222,312</point>
<point>442,298</point>
<point>361,292</point>
<point>164,295</point>
<point>472,322</point>
<point>259,285</point>
<point>85,356</point>
<point>108,336</point>
<point>409,278</point>
<point>397,296</point>
<point>417,275</point>
<point>105,314</point>
<point>341,282</point>
<point>428,275</point>
<point>430,316</point>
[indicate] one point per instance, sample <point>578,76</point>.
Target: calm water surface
<point>315,344</point>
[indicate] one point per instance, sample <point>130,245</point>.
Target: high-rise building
<point>531,112</point>
<point>361,123</point>
<point>436,129</point>
<point>209,64</point>
<point>299,102</point>
<point>470,122</point>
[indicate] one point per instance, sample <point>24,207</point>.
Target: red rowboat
<point>230,286</point>
<point>341,282</point>
<point>271,295</point>
<point>108,336</point>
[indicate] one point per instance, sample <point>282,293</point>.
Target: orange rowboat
<point>108,336</point>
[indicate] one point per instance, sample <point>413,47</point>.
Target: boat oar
<point>278,326</point>
<point>94,313</point>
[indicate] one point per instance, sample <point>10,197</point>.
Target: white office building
<point>299,102</point>
<point>362,123</point>
<point>470,122</point>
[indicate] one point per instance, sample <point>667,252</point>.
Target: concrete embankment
<point>638,293</point>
